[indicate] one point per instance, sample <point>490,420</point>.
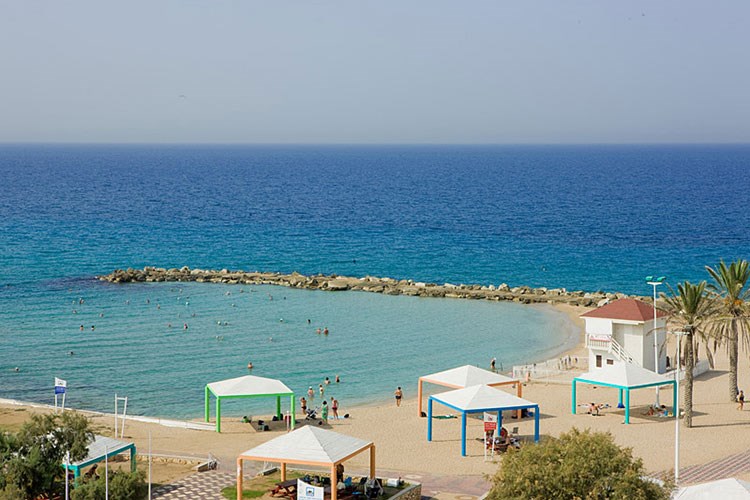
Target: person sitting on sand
<point>594,409</point>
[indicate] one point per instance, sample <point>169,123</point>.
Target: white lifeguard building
<point>623,331</point>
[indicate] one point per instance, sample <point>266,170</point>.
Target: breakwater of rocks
<point>389,286</point>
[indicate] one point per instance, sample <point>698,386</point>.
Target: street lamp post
<point>677,410</point>
<point>654,282</point>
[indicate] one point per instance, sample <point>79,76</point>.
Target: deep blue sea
<point>580,217</point>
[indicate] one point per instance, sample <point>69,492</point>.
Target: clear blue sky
<point>375,72</point>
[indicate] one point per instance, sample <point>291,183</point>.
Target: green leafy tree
<point>689,308</point>
<point>578,465</point>
<point>732,319</point>
<point>122,486</point>
<point>31,459</point>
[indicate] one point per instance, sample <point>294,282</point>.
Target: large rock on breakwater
<point>389,286</point>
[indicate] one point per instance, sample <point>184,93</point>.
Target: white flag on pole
<point>60,382</point>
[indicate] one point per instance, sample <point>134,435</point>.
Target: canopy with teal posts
<point>624,377</point>
<point>100,449</point>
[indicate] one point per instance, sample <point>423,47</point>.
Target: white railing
<point>597,342</point>
<point>550,367</point>
<point>621,353</point>
<point>609,344</point>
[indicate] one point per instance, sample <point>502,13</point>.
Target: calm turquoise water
<point>580,217</point>
<point>376,342</point>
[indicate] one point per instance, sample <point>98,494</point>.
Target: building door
<point>598,360</point>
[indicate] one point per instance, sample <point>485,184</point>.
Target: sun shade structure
<point>245,387</point>
<point>465,376</point>
<point>478,399</point>
<point>624,377</point>
<point>308,445</point>
<point>101,448</point>
<point>726,489</point>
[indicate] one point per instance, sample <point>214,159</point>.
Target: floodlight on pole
<point>654,282</point>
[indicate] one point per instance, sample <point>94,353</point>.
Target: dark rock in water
<point>384,285</point>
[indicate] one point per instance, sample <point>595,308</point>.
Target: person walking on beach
<point>741,400</point>
<point>335,408</point>
<point>303,404</point>
<point>492,364</point>
<point>398,394</point>
<point>324,411</point>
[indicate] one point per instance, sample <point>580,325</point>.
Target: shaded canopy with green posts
<point>246,387</point>
<point>624,377</point>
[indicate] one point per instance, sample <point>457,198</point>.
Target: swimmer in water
<point>92,328</point>
<point>325,331</point>
<point>101,315</point>
<point>16,369</point>
<point>81,327</point>
<point>71,353</point>
<point>250,366</point>
<point>317,331</point>
<point>184,326</point>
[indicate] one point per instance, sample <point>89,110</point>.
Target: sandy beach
<point>400,435</point>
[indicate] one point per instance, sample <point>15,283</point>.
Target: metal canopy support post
<point>206,416</point>
<point>218,414</point>
<point>429,419</point>
<point>627,406</point>
<point>573,397</point>
<point>536,423</point>
<point>419,397</point>
<point>463,433</point>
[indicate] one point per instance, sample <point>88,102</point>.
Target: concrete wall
<point>411,492</point>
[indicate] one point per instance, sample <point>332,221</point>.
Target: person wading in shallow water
<point>398,394</point>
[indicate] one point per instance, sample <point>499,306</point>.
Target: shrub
<point>122,486</point>
<point>578,465</point>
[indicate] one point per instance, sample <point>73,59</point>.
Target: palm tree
<point>732,320</point>
<point>688,308</point>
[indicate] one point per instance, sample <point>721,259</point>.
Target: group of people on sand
<point>334,406</point>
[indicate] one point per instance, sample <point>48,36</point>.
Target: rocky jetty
<point>389,286</point>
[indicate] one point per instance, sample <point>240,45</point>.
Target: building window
<point>610,361</point>
<point>598,360</point>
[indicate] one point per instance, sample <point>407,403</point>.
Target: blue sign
<point>59,389</point>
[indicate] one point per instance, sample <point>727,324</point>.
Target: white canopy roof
<point>99,447</point>
<point>249,385</point>
<point>308,444</point>
<point>481,397</point>
<point>466,376</point>
<point>625,375</point>
<point>726,489</point>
